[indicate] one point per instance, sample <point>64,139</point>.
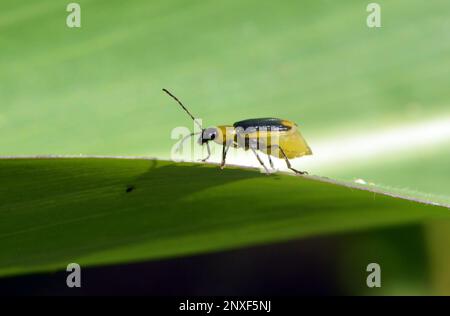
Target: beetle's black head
<point>207,135</point>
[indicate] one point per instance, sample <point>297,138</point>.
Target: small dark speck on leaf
<point>129,188</point>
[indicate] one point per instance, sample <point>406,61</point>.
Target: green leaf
<point>104,211</point>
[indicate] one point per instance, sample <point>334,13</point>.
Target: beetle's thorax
<point>225,132</point>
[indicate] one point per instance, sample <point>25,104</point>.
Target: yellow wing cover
<point>272,131</point>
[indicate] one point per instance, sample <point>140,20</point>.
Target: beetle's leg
<point>260,161</point>
<point>209,153</point>
<point>270,161</point>
<point>224,154</point>
<point>180,144</point>
<point>288,163</point>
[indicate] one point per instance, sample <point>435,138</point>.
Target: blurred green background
<point>96,90</point>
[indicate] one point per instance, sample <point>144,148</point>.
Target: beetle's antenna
<point>184,108</point>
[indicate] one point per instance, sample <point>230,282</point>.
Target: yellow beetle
<point>272,136</point>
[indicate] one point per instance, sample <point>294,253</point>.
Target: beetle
<point>275,137</point>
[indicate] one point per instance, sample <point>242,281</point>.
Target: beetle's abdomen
<point>294,145</point>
